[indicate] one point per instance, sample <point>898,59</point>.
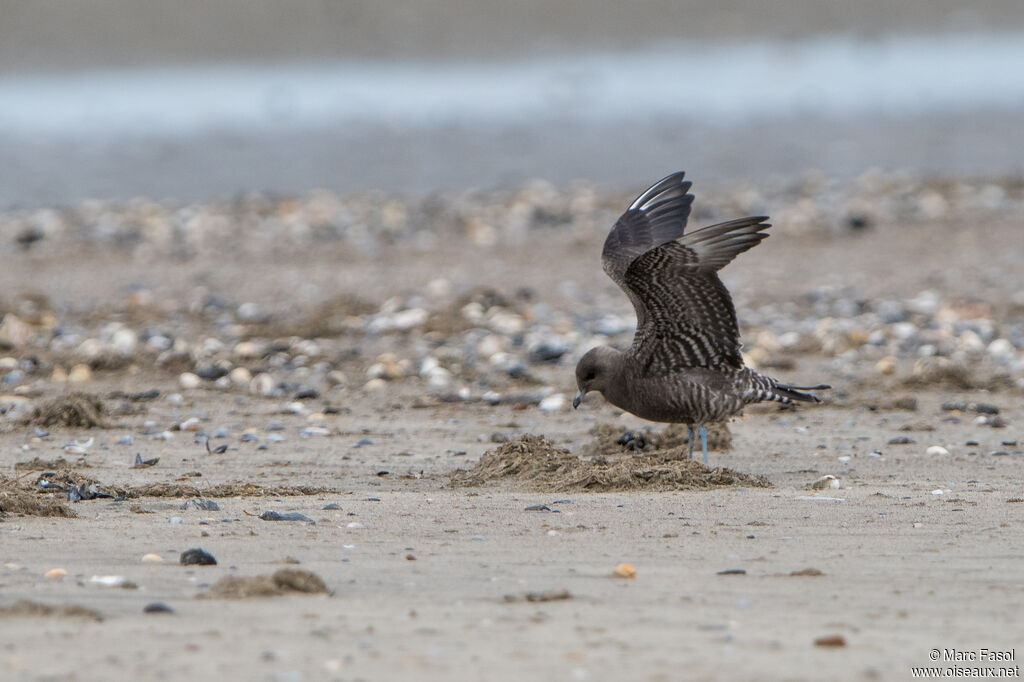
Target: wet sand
<point>917,550</point>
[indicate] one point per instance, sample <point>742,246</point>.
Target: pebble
<point>79,374</point>
<point>936,450</point>
<point>247,350</point>
<point>240,376</point>
<point>553,403</point>
<point>627,571</point>
<point>188,380</point>
<point>157,607</point>
<point>198,557</point>
<point>152,558</point>
<point>55,573</point>
<point>263,384</point>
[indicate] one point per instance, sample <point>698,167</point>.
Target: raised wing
<point>685,316</point>
<point>658,216</point>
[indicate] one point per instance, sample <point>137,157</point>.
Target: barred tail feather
<point>765,388</point>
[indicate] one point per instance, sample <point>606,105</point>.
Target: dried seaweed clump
<point>15,499</point>
<point>284,581</point>
<point>77,410</point>
<point>540,465</point>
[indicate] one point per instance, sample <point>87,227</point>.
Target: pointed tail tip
<point>794,392</point>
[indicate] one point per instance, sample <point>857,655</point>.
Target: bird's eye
<point>590,375</point>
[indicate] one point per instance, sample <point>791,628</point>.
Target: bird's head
<point>595,371</point>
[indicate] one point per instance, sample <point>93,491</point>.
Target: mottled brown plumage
<point>684,364</point>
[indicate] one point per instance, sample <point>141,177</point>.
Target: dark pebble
<point>733,571</point>
<point>250,438</point>
<point>999,453</point>
<point>157,607</point>
<point>1009,443</point>
<point>333,506</point>
<point>362,442</point>
<point>901,440</point>
<point>538,507</point>
<point>307,394</point>
<point>371,499</point>
<point>858,222</point>
<point>547,352</point>
<point>985,408</point>
<point>198,557</point>
<point>954,406</point>
<point>971,443</point>
<point>290,516</point>
<point>383,472</point>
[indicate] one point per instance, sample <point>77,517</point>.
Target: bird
<point>684,365</point>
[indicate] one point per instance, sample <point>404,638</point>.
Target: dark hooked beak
<point>577,400</point>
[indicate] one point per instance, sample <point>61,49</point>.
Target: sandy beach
<point>342,357</point>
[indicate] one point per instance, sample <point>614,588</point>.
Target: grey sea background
<point>111,99</point>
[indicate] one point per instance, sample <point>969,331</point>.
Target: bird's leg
<point>704,442</point>
<point>689,439</point>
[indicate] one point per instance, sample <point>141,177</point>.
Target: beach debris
<point>144,463</point>
<point>287,516</point>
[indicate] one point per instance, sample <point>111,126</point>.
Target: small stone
<point>626,571</point>
<point>1001,348</point>
<point>55,573</point>
<point>732,571</point>
<point>247,349</point>
<point>886,365</point>
<point>198,557</point>
<point>375,384</point>
<point>901,440</point>
<point>936,450</point>
<point>79,373</point>
<point>152,558</point>
<point>188,380</point>
<point>262,384</point>
<point>157,607</point>
<point>14,333</point>
<point>240,376</point>
<point>831,641</point>
<point>552,403</point>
